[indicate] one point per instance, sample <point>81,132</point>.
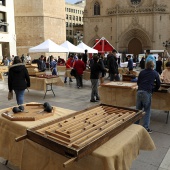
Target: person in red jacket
<point>69,65</point>
<point>79,66</point>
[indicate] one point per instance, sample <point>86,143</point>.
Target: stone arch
<point>139,34</point>
<point>92,42</point>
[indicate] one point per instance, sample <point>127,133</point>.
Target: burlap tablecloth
<point>61,68</point>
<point>86,75</point>
<point>9,130</point>
<point>40,83</point>
<point>116,154</point>
<point>126,97</point>
<point>3,69</point>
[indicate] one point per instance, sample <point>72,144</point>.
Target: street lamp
<point>166,44</point>
<point>78,36</point>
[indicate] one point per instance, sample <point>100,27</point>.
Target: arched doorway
<point>135,47</point>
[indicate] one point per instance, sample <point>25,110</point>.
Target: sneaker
<point>71,80</point>
<point>149,130</point>
<point>93,100</point>
<point>65,81</point>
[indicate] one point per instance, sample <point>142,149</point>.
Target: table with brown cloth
<point>116,154</point>
<point>9,130</point>
<point>126,97</point>
<point>3,69</point>
<point>86,74</point>
<point>61,68</point>
<point>41,83</point>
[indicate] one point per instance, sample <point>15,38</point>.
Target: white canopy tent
<point>72,48</point>
<point>48,46</point>
<point>86,47</point>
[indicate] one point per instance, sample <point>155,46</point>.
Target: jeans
<point>94,86</point>
<point>144,102</point>
<point>19,96</point>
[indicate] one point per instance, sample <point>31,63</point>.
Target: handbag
<point>73,72</point>
<point>10,95</point>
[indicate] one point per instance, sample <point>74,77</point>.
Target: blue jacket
<point>146,80</point>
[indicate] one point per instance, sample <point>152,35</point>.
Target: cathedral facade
<point>131,26</point>
<point>37,21</point>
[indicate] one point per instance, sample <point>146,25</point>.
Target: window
<point>2,2</point>
<point>66,16</point>
<point>79,18</point>
<point>135,1</point>
<point>73,17</point>
<point>70,17</point>
<point>3,24</point>
<point>66,24</point>
<point>76,18</point>
<point>96,8</point>
<point>70,32</point>
<point>70,24</point>
<point>66,32</point>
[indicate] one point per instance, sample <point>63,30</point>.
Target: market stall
<point>28,155</point>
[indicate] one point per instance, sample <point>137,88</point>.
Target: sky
<point>71,1</point>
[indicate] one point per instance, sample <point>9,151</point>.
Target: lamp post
<point>78,36</point>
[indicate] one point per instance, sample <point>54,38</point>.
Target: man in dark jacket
<point>113,67</point>
<point>96,68</point>
<point>18,79</point>
<point>146,87</point>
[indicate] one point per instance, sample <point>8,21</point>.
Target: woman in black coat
<point>18,79</point>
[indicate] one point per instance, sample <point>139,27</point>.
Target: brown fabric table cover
<point>86,75</point>
<point>9,130</point>
<point>61,68</point>
<point>40,83</point>
<point>3,69</point>
<point>126,97</point>
<point>116,154</point>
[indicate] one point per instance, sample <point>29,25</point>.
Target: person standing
<point>159,65</point>
<point>146,87</point>
<point>84,59</point>
<point>69,65</point>
<point>130,63</point>
<point>165,76</point>
<point>41,64</point>
<point>18,79</point>
<point>28,58</point>
<point>142,63</point>
<point>150,57</point>
<point>113,67</point>
<point>96,68</point>
<point>53,66</point>
<point>79,67</point>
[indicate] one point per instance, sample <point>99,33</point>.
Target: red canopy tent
<point>103,45</point>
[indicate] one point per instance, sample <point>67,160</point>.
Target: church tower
<point>131,26</point>
<point>37,21</point>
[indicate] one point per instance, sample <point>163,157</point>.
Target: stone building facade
<point>37,21</point>
<point>131,26</point>
<point>74,19</point>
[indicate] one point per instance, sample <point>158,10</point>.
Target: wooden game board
<point>78,134</point>
<point>31,112</point>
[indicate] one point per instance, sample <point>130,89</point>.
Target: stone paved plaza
<point>70,97</point>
